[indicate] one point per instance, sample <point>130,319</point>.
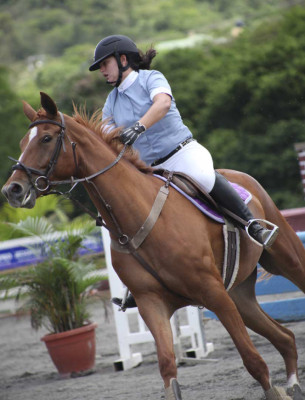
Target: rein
<point>125,244</point>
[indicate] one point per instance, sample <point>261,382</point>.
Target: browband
<point>49,121</point>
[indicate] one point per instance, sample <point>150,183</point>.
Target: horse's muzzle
<point>19,195</point>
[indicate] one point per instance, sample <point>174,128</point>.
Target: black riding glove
<point>131,134</point>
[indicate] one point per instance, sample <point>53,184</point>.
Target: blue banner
<point>27,251</point>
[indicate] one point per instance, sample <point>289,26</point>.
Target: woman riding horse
<point>142,101</point>
<point>185,249</point>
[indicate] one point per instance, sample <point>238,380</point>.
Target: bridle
<point>43,176</point>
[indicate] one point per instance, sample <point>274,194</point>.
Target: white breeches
<point>193,160</point>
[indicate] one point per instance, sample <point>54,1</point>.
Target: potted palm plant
<point>55,292</point>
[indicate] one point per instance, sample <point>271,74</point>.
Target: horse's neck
<point>125,189</point>
<point>127,194</point>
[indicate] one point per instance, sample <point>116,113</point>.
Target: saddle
<point>190,188</point>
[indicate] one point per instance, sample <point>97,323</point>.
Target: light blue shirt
<point>128,103</point>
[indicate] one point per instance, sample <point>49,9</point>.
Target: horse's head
<point>39,159</point>
<point>49,152</point>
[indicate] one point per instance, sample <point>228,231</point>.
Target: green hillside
<point>32,27</point>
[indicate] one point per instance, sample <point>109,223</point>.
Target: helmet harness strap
<point>121,68</point>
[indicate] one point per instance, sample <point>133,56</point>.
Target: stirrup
<point>122,304</point>
<point>274,230</point>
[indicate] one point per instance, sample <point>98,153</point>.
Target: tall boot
<point>129,302</point>
<point>225,195</point>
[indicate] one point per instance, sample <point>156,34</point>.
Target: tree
<point>245,102</point>
<point>12,123</point>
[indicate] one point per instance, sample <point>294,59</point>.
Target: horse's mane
<point>109,135</point>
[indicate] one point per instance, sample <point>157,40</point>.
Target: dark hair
<point>141,60</point>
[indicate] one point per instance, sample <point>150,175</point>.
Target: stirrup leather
<point>272,227</point>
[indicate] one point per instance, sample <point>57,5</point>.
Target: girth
<point>230,232</point>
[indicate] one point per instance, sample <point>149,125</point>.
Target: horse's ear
<point>48,104</point>
<point>29,111</point>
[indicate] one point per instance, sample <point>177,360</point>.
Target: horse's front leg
<point>156,315</point>
<point>218,301</point>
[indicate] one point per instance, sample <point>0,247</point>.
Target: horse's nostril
<point>15,188</point>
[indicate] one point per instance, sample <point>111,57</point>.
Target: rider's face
<point>109,68</point>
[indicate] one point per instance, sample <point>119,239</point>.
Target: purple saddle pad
<point>243,193</point>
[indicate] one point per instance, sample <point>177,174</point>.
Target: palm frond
<point>44,205</point>
<point>34,226</point>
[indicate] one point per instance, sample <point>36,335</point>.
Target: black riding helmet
<point>114,45</point>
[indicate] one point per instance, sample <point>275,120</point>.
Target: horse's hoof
<point>277,393</point>
<point>295,392</point>
<point>173,392</point>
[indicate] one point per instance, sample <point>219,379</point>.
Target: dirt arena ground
<point>27,372</point>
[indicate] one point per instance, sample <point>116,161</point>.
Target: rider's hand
<point>131,134</point>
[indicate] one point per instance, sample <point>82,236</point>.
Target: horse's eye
<point>46,139</point>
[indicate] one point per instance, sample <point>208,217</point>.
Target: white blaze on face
<point>32,135</point>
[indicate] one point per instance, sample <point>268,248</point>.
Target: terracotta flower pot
<point>72,351</point>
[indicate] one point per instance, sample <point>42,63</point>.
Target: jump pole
<point>193,329</point>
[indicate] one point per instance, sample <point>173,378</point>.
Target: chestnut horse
<point>184,248</point>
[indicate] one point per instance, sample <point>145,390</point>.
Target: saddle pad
<point>214,215</point>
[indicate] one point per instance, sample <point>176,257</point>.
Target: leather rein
<point>123,243</point>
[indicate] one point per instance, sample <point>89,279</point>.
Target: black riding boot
<point>225,195</point>
<point>129,302</point>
